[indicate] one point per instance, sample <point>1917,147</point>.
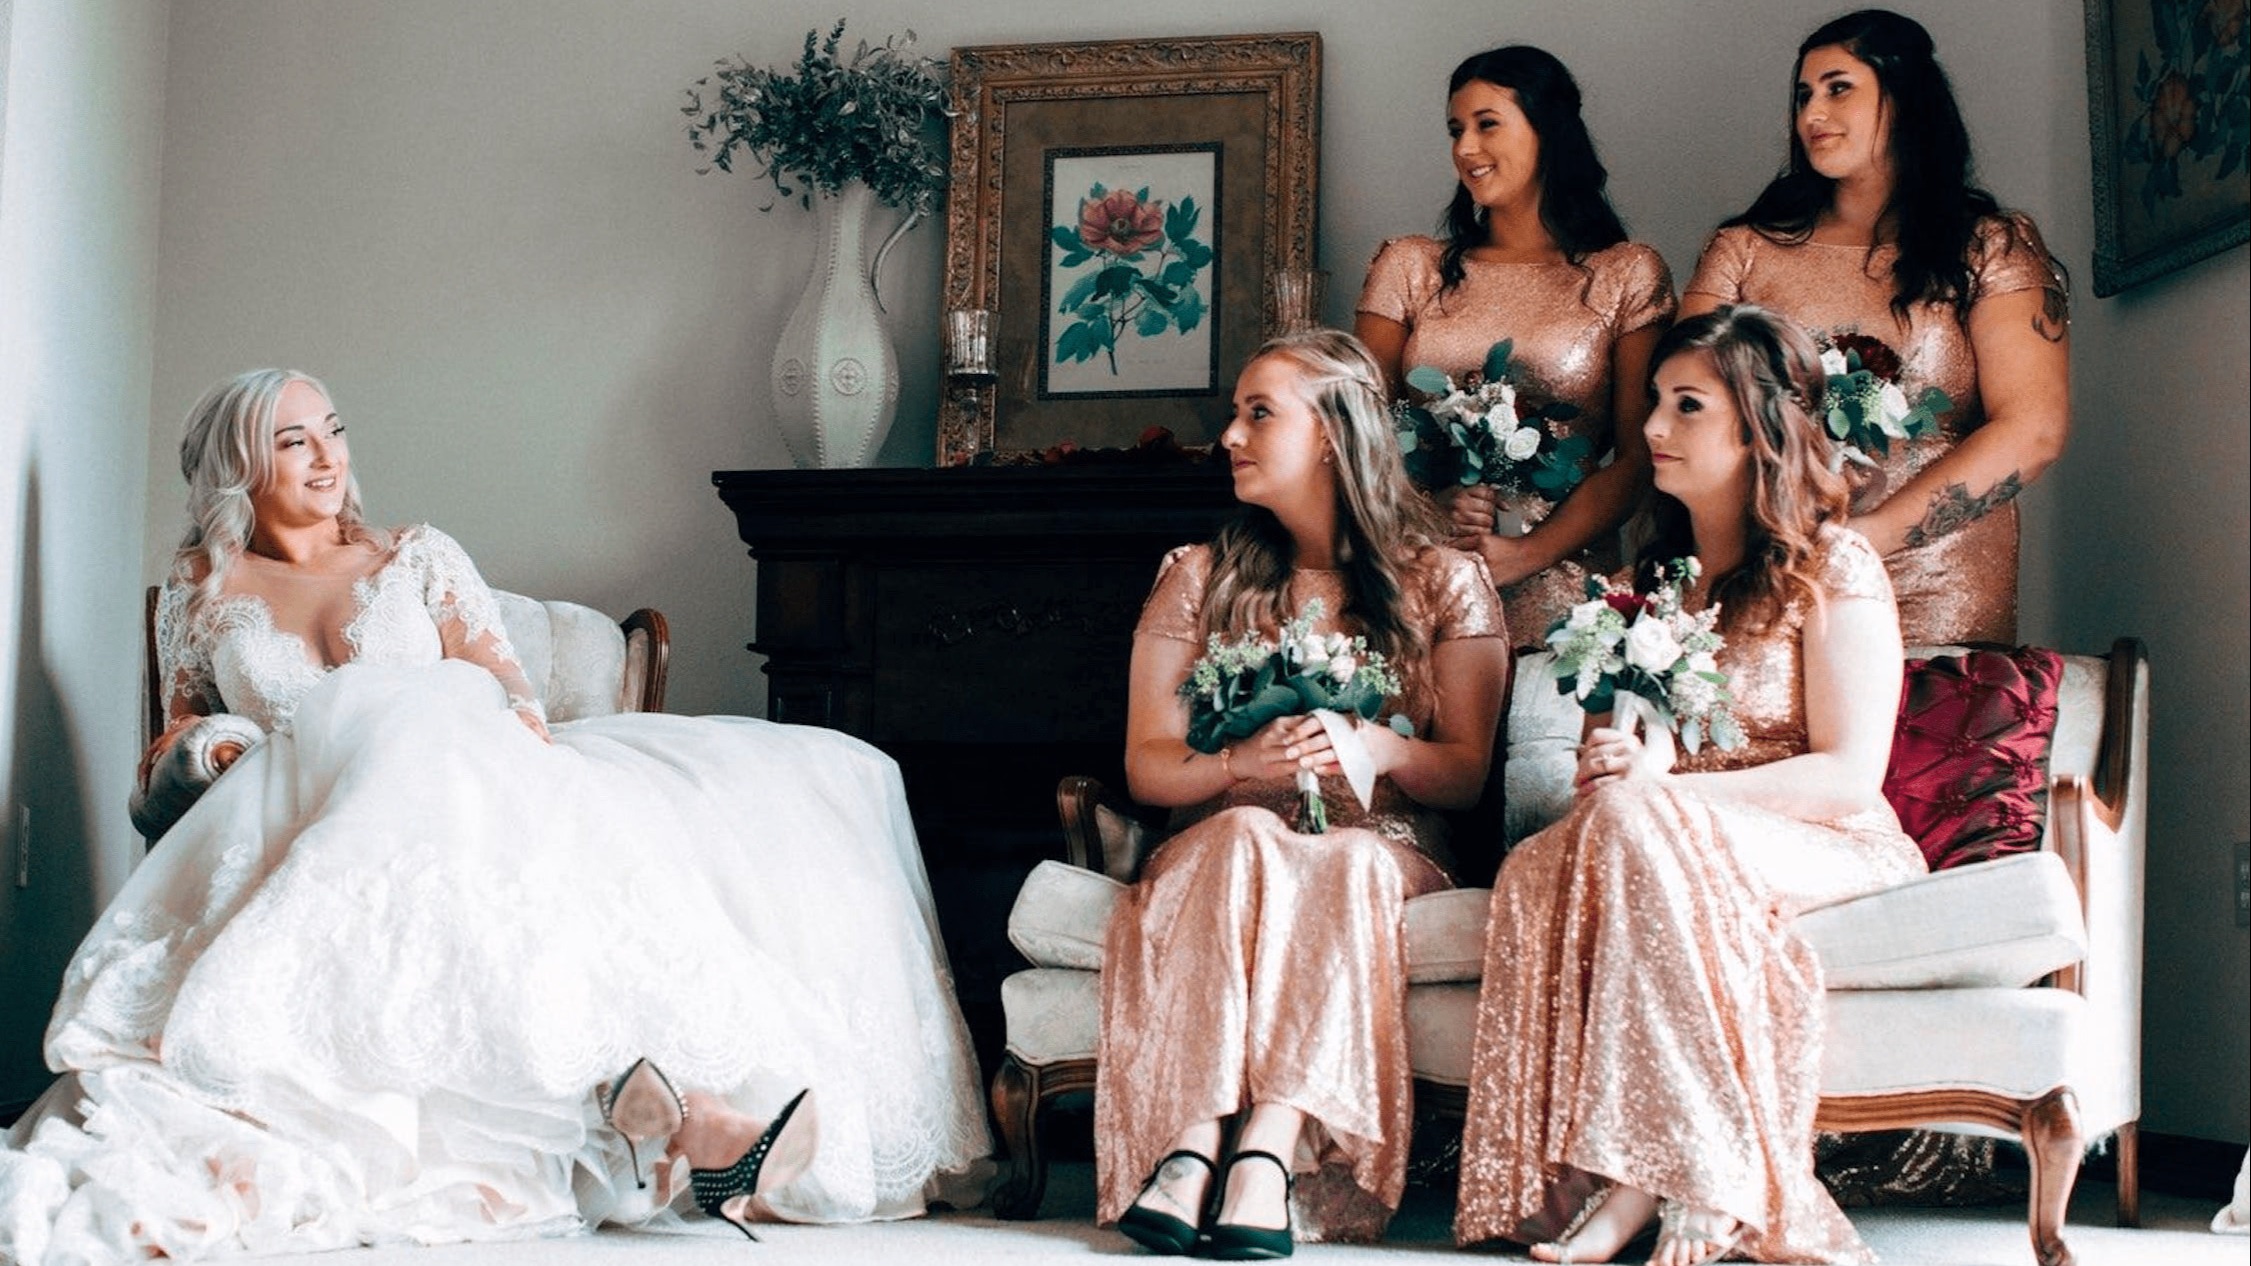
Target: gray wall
<point>77,264</point>
<point>481,224</point>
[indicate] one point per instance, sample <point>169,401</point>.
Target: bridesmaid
<point>1535,254</point>
<point>1254,980</point>
<point>1649,1027</point>
<point>1875,227</point>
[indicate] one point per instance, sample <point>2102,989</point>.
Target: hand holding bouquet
<point>1641,657</point>
<point>1867,408</point>
<point>1236,688</point>
<point>1487,431</point>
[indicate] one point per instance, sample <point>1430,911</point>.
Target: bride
<point>386,981</point>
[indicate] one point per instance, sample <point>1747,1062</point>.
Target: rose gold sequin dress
<point>1962,586</point>
<point>1564,320</point>
<point>1647,1013</point>
<point>1253,964</point>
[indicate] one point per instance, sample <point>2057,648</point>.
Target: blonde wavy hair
<point>1382,522</point>
<point>227,454</point>
<point>1774,378</point>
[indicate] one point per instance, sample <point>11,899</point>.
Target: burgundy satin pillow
<point>1969,761</point>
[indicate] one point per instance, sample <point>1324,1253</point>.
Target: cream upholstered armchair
<point>583,663</point>
<point>2000,998</point>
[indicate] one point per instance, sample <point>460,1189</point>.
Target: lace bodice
<point>424,603</point>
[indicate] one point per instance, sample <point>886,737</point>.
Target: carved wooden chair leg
<point>2130,1174</point>
<point>2053,1142</point>
<point>1016,1106</point>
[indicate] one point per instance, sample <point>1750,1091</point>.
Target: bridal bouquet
<point>1867,408</point>
<point>1489,431</point>
<point>1239,686</point>
<point>1640,657</point>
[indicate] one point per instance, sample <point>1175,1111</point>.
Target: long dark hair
<point>1935,203</point>
<point>1775,380</point>
<point>1573,205</point>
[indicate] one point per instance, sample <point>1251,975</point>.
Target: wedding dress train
<point>364,991</point>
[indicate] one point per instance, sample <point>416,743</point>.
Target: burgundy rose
<point>1120,223</point>
<point>1628,605</point>
<point>2172,116</point>
<point>1875,357</point>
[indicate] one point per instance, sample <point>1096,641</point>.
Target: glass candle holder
<point>969,343</point>
<point>1297,299</point>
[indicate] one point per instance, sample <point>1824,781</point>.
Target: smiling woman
<point>409,968</point>
<point>1874,231</point>
<point>1533,256</point>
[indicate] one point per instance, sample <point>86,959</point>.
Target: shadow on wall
<point>40,925</point>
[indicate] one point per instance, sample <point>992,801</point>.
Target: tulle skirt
<point>365,990</point>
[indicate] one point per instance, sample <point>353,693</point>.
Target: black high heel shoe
<point>1232,1242</point>
<point>642,1105</point>
<point>1162,1233</point>
<point>788,1142</point>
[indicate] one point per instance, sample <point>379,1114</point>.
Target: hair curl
<point>1574,206</point>
<point>1381,520</point>
<point>1935,203</point>
<point>227,455</point>
<point>1774,379</point>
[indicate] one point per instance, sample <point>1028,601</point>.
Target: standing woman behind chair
<point>1533,253</point>
<point>1876,226</point>
<point>1254,979</point>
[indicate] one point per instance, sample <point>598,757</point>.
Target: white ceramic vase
<point>836,379</point>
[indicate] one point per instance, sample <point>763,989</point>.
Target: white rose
<point>1894,402</point>
<point>1521,443</point>
<point>1313,652</point>
<point>1339,644</point>
<point>1457,404</point>
<point>1832,362</point>
<point>1342,668</point>
<point>1650,645</point>
<point>1585,614</point>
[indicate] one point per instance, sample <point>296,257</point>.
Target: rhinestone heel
<point>642,1105</point>
<point>788,1143</point>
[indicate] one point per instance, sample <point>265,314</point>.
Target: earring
<point>1329,457</point>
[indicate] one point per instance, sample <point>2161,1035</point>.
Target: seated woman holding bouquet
<point>1254,979</point>
<point>415,968</point>
<point>1649,1026</point>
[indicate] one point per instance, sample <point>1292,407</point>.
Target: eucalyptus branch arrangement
<point>831,120</point>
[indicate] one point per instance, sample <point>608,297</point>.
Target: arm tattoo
<point>2053,321</point>
<point>1953,508</point>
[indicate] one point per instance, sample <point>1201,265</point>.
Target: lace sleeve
<point>183,659</point>
<point>468,618</point>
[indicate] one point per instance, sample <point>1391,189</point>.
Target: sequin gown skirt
<point>1253,964</point>
<point>1648,1016</point>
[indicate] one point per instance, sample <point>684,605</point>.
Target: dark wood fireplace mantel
<point>975,624</point>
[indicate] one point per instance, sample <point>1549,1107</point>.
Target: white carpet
<point>2173,1234</point>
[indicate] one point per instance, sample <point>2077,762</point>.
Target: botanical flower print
<point>2194,100</point>
<point>1129,265</point>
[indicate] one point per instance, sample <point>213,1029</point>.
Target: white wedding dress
<point>364,991</point>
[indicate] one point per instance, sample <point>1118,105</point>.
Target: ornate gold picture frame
<point>1121,208</point>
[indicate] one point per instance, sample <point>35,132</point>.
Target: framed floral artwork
<point>1121,207</point>
<point>2169,116</point>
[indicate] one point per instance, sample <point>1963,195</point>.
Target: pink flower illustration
<point>1120,223</point>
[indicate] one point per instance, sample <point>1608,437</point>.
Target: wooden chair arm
<point>648,636</point>
<point>1102,831</point>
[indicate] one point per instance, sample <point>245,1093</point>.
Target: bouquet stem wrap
<point>1352,754</point>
